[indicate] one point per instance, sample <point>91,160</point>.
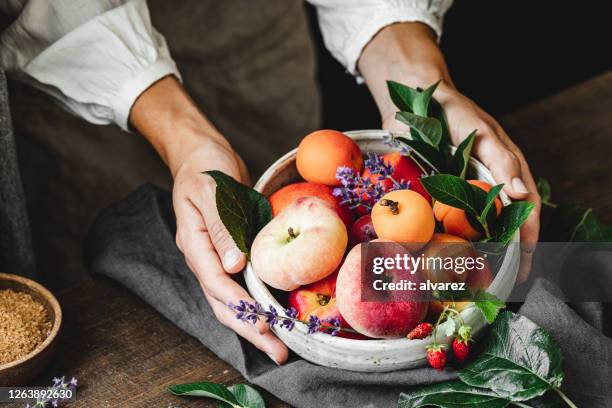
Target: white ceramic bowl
<point>369,355</point>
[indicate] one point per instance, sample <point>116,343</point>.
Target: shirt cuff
<point>379,21</point>
<point>136,85</point>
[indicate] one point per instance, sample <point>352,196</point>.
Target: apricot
<point>455,221</point>
<point>321,153</point>
<point>404,216</point>
<point>285,196</point>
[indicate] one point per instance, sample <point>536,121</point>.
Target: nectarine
<point>455,221</point>
<point>303,244</point>
<point>404,216</point>
<point>321,153</point>
<point>362,230</point>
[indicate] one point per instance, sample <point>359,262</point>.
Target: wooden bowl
<point>370,355</point>
<point>19,372</point>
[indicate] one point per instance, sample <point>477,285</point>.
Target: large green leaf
<point>510,220</point>
<point>420,105</point>
<point>490,202</point>
<point>402,96</point>
<point>429,129</point>
<point>451,190</point>
<point>520,360</point>
<point>488,304</point>
<point>247,396</point>
<point>452,394</point>
<point>436,111</point>
<point>242,210</point>
<point>205,389</point>
<point>431,156</point>
<point>461,158</point>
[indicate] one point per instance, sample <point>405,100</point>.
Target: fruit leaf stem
<point>565,398</point>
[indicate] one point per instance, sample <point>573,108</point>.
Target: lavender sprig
<point>253,312</point>
<point>59,384</point>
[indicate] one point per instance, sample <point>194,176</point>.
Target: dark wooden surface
<point>126,355</point>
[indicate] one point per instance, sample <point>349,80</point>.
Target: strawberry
<point>436,356</point>
<point>461,349</point>
<point>421,331</point>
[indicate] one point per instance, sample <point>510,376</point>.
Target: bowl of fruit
<point>305,263</point>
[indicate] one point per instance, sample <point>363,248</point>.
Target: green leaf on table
<point>490,203</point>
<point>429,154</point>
<point>453,394</point>
<point>402,96</point>
<point>461,158</point>
<point>488,304</point>
<point>429,129</point>
<point>206,389</point>
<point>420,104</point>
<point>571,222</point>
<point>247,396</point>
<point>451,190</point>
<point>520,360</point>
<point>510,220</point>
<point>242,210</point>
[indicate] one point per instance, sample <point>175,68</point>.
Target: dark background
<point>502,54</point>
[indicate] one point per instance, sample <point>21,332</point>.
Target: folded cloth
<point>132,242</point>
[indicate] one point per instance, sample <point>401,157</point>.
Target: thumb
<point>232,258</point>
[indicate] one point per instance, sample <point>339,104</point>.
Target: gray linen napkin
<point>132,242</point>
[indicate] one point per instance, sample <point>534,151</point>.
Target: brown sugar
<point>24,324</point>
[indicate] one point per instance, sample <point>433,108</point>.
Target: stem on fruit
<point>393,205</point>
<point>565,398</point>
<point>292,234</point>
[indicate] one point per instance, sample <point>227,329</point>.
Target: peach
<point>288,194</point>
<point>321,153</point>
<point>404,216</point>
<point>383,318</point>
<point>404,169</point>
<point>319,299</point>
<point>454,219</point>
<point>303,244</point>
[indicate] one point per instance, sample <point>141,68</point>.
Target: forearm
<point>169,119</point>
<point>406,53</point>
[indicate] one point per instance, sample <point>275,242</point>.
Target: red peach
<point>362,230</point>
<point>288,194</point>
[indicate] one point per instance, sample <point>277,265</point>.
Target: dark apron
<point>249,65</point>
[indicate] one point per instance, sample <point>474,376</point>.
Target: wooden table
<point>126,355</point>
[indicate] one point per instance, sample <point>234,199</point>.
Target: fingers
<point>504,164</point>
<point>232,258</point>
<point>266,342</point>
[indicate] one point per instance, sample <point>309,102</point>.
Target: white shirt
<point>97,56</point>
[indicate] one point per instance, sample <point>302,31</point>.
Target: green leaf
<point>461,158</point>
<point>205,389</point>
<point>242,210</point>
<point>571,222</point>
<point>451,190</point>
<point>429,154</point>
<point>247,396</point>
<point>488,304</point>
<point>520,360</point>
<point>453,394</point>
<point>510,220</point>
<point>490,203</point>
<point>420,104</point>
<point>436,111</point>
<point>430,129</point>
<point>402,96</point>
<point>544,191</point>
<point>450,327</point>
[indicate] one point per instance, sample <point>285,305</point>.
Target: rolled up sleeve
<point>348,26</point>
<point>94,57</point>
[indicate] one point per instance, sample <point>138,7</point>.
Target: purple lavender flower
<point>376,165</point>
<point>289,321</point>
<point>271,316</point>
<point>314,324</point>
<point>335,326</point>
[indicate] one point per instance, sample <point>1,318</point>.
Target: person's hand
<point>190,145</point>
<point>495,150</point>
<point>408,53</point>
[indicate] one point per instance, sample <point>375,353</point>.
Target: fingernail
<point>518,185</point>
<point>231,258</point>
<point>273,359</point>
